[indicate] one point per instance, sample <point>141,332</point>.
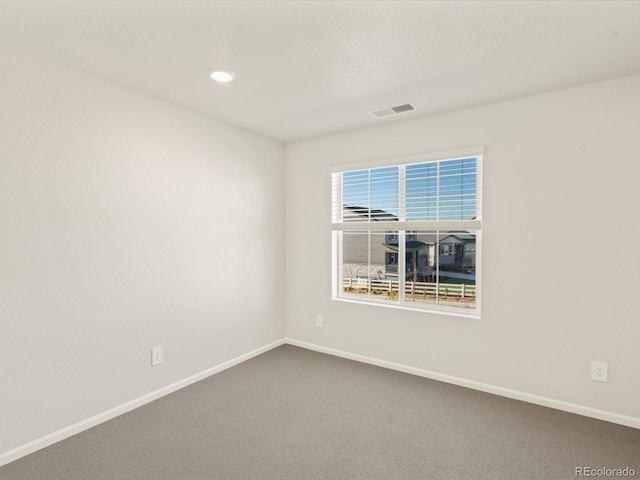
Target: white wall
<point>561,175</point>
<point>125,223</point>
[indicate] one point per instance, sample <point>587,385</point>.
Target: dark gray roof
<point>431,238</point>
<point>376,214</point>
<point>409,245</point>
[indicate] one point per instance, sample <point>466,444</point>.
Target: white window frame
<point>402,227</point>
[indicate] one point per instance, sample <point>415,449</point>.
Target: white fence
<point>412,289</point>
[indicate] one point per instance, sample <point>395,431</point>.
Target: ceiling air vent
<point>395,110</point>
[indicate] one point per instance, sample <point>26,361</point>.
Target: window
<point>407,233</point>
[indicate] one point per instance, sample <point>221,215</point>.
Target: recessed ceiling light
<point>222,76</point>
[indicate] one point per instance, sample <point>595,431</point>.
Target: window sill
<point>438,310</point>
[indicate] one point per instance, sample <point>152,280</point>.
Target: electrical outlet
<point>599,371</point>
<point>157,356</point>
<point>319,321</point>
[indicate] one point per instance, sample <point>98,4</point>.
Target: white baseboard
<point>483,387</point>
<point>78,427</point>
<point>27,448</point>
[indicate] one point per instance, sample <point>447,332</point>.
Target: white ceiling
<point>311,68</point>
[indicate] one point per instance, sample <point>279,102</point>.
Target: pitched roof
<point>373,213</point>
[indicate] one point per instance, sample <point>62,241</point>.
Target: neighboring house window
<point>407,232</point>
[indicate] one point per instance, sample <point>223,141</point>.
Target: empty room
<point>265,240</point>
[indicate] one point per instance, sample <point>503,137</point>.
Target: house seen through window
<point>408,235</point>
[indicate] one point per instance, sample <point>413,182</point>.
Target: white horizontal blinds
<point>384,194</point>
<point>442,191</point>
<point>355,196</point>
<point>369,195</point>
<point>442,194</point>
<point>336,198</point>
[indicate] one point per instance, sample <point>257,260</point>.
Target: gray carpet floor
<point>295,414</point>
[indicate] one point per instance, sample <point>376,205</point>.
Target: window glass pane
<point>384,194</point>
<point>441,268</point>
<point>457,269</point>
<point>355,196</point>
<point>355,263</point>
<point>421,186</point>
<point>371,195</point>
<point>421,275</point>
<point>370,265</point>
<point>441,190</point>
<point>457,191</point>
<point>384,266</point>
